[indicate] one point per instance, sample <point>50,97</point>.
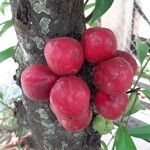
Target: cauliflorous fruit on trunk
<point>37,81</point>
<point>69,97</point>
<point>113,76</point>
<point>64,55</point>
<point>129,58</point>
<point>111,107</point>
<point>77,124</point>
<point>99,44</point>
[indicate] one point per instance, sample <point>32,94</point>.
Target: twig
<point>133,90</point>
<point>141,72</point>
<point>113,136</point>
<point>141,12</point>
<point>131,109</point>
<point>88,18</point>
<point>6,105</point>
<point>85,3</point>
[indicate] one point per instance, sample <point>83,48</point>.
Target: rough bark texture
<point>35,22</point>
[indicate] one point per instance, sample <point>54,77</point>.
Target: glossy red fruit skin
<point>129,58</point>
<point>77,124</point>
<point>64,55</point>
<point>99,44</point>
<point>37,81</point>
<point>111,107</point>
<point>63,116</point>
<point>113,76</point>
<point>69,97</point>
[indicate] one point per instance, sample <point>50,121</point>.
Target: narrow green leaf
<point>146,92</point>
<point>142,50</point>
<point>101,7</point>
<point>3,6</point>
<point>123,140</point>
<point>6,26</point>
<point>140,132</point>
<point>103,145</point>
<point>6,54</point>
<point>137,106</point>
<point>89,6</point>
<point>20,134</point>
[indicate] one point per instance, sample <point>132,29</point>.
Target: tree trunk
<point>36,21</point>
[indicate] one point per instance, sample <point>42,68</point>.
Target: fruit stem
<point>131,109</point>
<point>141,72</point>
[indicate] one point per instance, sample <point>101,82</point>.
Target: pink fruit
<point>113,76</point>
<point>64,55</point>
<point>129,58</point>
<point>111,107</point>
<point>36,81</point>
<point>99,44</point>
<point>78,123</point>
<point>69,97</point>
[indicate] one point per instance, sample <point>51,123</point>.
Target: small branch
<point>86,3</point>
<point>133,90</point>
<point>141,13</point>
<point>132,108</point>
<point>113,136</point>
<point>88,18</point>
<point>6,105</point>
<point>141,72</point>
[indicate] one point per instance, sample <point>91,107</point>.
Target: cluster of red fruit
<point>68,94</point>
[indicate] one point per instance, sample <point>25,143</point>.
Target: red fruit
<point>69,97</point>
<point>111,107</point>
<point>113,76</point>
<point>99,44</point>
<point>64,55</point>
<point>78,123</point>
<point>36,81</point>
<point>63,116</point>
<point>129,58</point>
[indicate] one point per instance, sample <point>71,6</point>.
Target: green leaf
<point>142,50</point>
<point>103,145</point>
<point>6,26</point>
<point>89,6</point>
<point>9,52</point>
<point>101,7</point>
<point>3,6</point>
<point>20,134</point>
<point>140,132</point>
<point>146,92</point>
<point>137,106</point>
<point>123,140</point>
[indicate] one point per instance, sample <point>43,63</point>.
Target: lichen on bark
<point>36,21</point>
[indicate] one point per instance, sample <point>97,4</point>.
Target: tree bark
<point>36,21</point>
